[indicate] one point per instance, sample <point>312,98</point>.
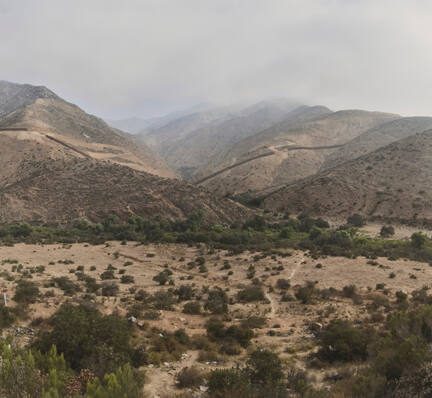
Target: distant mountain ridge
<point>305,127</point>
<point>188,143</point>
<point>378,137</point>
<point>392,182</point>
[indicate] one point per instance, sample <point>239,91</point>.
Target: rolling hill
<point>392,182</point>
<point>67,189</point>
<point>300,145</point>
<point>378,137</point>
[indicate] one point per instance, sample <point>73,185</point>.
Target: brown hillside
<point>378,137</point>
<point>392,182</point>
<point>311,128</point>
<point>38,109</point>
<point>66,189</point>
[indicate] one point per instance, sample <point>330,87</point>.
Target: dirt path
<point>281,151</point>
<point>293,272</point>
<point>161,380</point>
<point>273,305</point>
<point>272,301</point>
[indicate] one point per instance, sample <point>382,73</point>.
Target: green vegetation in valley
<point>303,233</point>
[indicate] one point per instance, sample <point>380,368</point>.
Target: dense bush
<point>283,284</point>
<point>189,377</point>
<point>7,317</point>
<point>88,339</point>
<point>162,278</point>
<point>262,378</point>
<point>251,293</point>
<point>356,220</point>
<point>163,300</point>
<point>185,292</point>
<point>192,308</point>
<point>64,283</point>
<point>341,341</point>
<point>109,289</point>
<point>26,292</point>
<point>228,337</point>
<point>217,301</point>
<point>387,231</point>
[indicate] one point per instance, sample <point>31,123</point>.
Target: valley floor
<point>288,323</point>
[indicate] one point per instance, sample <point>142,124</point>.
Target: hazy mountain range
<point>59,163</point>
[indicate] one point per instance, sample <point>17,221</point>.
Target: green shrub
<point>283,284</point>
<point>341,341</point>
<point>163,300</point>
<point>7,317</point>
<point>356,220</point>
<point>26,292</point>
<point>185,292</point>
<point>124,383</point>
<point>387,231</point>
<point>88,339</point>
<point>64,283</point>
<point>265,367</point>
<point>189,378</point>
<point>108,274</point>
<point>162,278</point>
<point>419,239</point>
<point>109,289</point>
<point>217,301</point>
<point>127,279</point>
<point>228,383</point>
<point>250,294</point>
<point>192,308</point>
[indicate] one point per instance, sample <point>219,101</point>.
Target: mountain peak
<point>14,96</point>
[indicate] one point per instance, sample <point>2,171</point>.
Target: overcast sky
<point>145,57</point>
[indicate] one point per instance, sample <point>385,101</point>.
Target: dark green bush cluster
<point>263,377</point>
<point>250,293</point>
<point>217,301</point>
<point>26,292</point>
<point>30,373</point>
<point>88,339</point>
<point>230,338</point>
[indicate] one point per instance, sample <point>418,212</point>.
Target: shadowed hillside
<point>68,189</point>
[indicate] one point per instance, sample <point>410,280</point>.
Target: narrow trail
<point>294,271</point>
<point>273,303</point>
<point>273,151</point>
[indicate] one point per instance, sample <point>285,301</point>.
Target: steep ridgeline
<point>377,138</point>
<point>14,96</point>
<point>392,182</point>
<point>300,146</point>
<point>41,112</point>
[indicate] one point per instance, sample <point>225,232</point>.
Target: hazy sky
<point>144,57</point>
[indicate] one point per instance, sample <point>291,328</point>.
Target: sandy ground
<point>288,320</point>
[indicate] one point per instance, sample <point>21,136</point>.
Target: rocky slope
<point>14,96</point>
<point>62,190</point>
<point>392,182</point>
<point>40,111</point>
<point>316,131</point>
<point>378,137</point>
